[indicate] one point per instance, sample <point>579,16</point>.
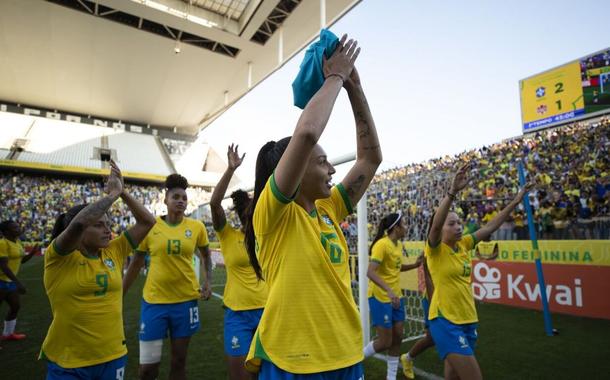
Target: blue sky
<point>441,76</point>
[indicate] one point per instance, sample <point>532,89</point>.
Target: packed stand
<point>569,164</point>
<point>36,201</point>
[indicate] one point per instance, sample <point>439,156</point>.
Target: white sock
<point>408,356</point>
<point>9,327</point>
<point>369,350</point>
<point>392,367</point>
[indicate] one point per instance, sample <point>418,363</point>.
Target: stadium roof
<point>117,58</point>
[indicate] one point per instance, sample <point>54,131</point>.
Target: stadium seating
<point>570,165</point>
<point>138,153</point>
<point>35,201</point>
<point>79,144</point>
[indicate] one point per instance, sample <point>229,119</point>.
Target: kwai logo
<point>488,282</point>
<point>562,294</point>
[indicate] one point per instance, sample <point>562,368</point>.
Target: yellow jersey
<point>13,252</point>
<point>311,323</point>
<point>388,255</point>
<point>243,290</point>
<point>86,297</point>
<point>171,277</point>
<point>450,271</point>
<point>486,248</point>
<point>332,211</point>
<point>489,216</point>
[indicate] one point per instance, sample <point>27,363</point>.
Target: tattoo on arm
<point>374,147</point>
<point>363,127</point>
<point>94,211</point>
<point>354,188</point>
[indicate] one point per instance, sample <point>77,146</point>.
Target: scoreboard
<point>565,93</point>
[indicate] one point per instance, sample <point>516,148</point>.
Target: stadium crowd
<point>570,165</point>
<point>571,201</point>
<point>35,201</point>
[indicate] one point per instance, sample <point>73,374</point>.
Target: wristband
<point>335,75</point>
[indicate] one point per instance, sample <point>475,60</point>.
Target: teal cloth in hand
<point>311,76</point>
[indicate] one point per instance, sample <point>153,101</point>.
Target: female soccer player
<point>310,327</point>
<point>244,296</point>
<point>427,289</point>
<point>453,317</point>
<point>385,300</point>
<point>12,255</point>
<point>82,278</point>
<point>171,290</point>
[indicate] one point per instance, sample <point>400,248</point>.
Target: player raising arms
<point>82,278</point>
<point>453,316</point>
<point>244,296</point>
<point>12,255</point>
<point>310,327</point>
<point>385,301</point>
<point>171,290</point>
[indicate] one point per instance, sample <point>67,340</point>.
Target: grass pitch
<point>512,344</point>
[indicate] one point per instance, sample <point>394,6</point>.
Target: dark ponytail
<point>63,220</point>
<point>391,220</point>
<point>266,162</point>
<point>241,201</point>
<point>5,226</point>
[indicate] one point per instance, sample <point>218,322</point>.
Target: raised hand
<point>353,81</point>
<point>233,157</point>
<point>114,183</point>
<point>529,186</point>
<point>341,63</point>
<point>461,179</point>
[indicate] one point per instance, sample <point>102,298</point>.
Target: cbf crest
<point>109,264</point>
<point>188,233</point>
<point>327,220</point>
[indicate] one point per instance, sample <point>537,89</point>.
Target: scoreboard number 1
<point>558,89</point>
<point>552,97</point>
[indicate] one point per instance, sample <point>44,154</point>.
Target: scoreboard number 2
<point>558,88</point>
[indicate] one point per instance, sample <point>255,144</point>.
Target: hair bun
<point>175,180</point>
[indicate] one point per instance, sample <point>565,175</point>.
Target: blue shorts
<point>112,370</point>
<point>240,327</point>
<point>453,339</point>
<point>8,286</point>
<point>425,304</point>
<point>269,371</point>
<point>384,315</point>
<point>180,319</point>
